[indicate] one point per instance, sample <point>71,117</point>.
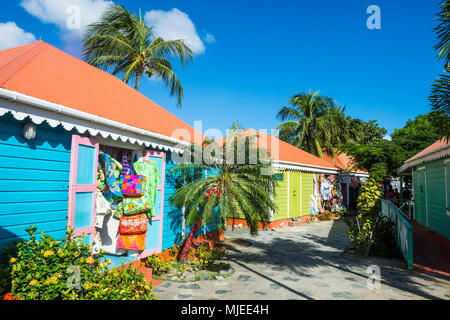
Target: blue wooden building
<point>56,112</point>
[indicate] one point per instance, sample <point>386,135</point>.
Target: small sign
<point>278,176</point>
<point>345,178</point>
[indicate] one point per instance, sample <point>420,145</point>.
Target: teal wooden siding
<point>172,220</point>
<point>430,206</point>
<point>34,180</point>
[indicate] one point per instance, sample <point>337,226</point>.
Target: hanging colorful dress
<point>135,206</point>
<point>146,203</point>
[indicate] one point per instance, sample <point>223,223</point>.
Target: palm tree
<point>440,93</point>
<point>225,190</point>
<point>313,122</point>
<point>120,42</point>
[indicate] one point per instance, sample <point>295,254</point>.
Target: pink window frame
<point>74,188</point>
<point>160,217</point>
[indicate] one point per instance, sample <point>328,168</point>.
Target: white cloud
<point>59,12</point>
<point>12,36</point>
<point>210,38</point>
<point>170,25</point>
<point>173,25</point>
<point>388,138</point>
<point>70,16</point>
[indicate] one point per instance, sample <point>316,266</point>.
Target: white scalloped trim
<point>21,111</point>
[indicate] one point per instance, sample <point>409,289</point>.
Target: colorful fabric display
<point>325,189</point>
<point>130,206</point>
<point>126,167</point>
<point>131,241</point>
<point>314,206</point>
<point>101,180</point>
<point>135,224</point>
<point>149,168</point>
<point>133,186</point>
<point>111,167</point>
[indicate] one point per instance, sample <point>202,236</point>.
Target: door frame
<point>424,169</point>
<point>160,217</point>
<point>74,188</point>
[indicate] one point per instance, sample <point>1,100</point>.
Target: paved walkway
<point>431,251</point>
<point>305,263</point>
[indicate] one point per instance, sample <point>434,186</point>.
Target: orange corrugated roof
<point>286,151</point>
<point>342,161</point>
<point>440,143</point>
<point>45,72</point>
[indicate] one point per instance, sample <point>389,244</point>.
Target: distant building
<point>431,187</point>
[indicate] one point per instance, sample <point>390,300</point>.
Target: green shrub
<point>48,269</point>
<point>362,228</point>
<point>158,264</point>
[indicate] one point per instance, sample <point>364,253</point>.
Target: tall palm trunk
<point>188,242</point>
<point>138,80</point>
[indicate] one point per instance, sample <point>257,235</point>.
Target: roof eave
<point>56,114</point>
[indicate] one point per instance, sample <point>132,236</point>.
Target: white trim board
<point>21,106</point>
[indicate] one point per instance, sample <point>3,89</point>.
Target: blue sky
<point>252,56</point>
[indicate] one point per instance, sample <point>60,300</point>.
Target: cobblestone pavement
<point>305,262</point>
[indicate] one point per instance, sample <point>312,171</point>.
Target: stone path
<point>304,263</point>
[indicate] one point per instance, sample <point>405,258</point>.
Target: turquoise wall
<point>172,227</point>
<point>431,195</point>
<point>34,180</point>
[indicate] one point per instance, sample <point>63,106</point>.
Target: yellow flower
<point>52,280</point>
<point>48,253</point>
<point>33,282</point>
<point>87,286</point>
<point>12,260</point>
<point>90,260</point>
<point>59,251</point>
<point>147,287</point>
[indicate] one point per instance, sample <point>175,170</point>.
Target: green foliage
<point>201,257</point>
<point>313,123</point>
<point>159,264</point>
<point>417,134</point>
<point>231,187</point>
<point>45,269</point>
<point>440,91</point>
<point>369,197</point>
<point>366,132</point>
<point>120,42</point>
<point>380,159</point>
<point>364,227</point>
<point>385,157</point>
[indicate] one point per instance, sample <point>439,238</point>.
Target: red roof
<point>436,145</point>
<point>286,151</point>
<point>45,72</point>
<point>342,161</point>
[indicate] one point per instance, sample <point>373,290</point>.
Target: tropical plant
<point>365,132</point>
<point>440,93</point>
<point>313,123</point>
<point>121,43</point>
<point>363,227</point>
<point>382,158</point>
<point>49,269</point>
<point>229,187</point>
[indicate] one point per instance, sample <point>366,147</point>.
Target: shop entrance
<point>97,212</point>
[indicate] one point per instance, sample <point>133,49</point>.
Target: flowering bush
<point>48,269</point>
<point>165,262</point>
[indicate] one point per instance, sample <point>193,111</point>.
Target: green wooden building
<point>430,170</point>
